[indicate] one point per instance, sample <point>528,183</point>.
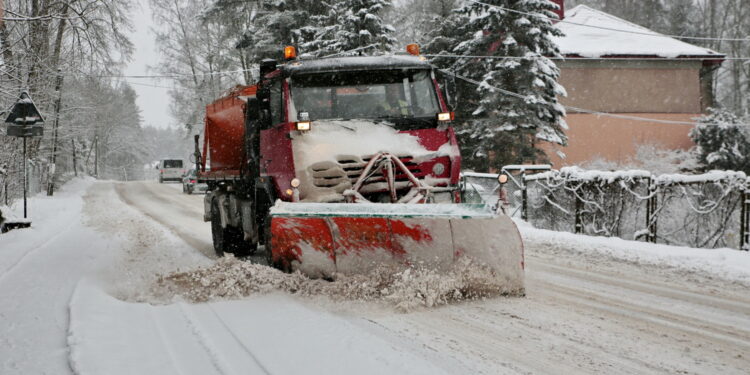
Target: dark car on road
<point>190,183</point>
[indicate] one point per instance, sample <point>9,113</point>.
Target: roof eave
<point>706,59</point>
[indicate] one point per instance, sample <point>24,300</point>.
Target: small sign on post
<point>24,120</point>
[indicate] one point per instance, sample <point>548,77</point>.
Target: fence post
<point>651,208</point>
<point>744,216</point>
<point>524,198</point>
<point>579,219</point>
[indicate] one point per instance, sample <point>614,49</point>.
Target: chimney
<point>560,12</point>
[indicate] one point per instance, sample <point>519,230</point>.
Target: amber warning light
<point>413,49</point>
<point>290,53</point>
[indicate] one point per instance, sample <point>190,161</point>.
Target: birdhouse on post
<point>24,119</point>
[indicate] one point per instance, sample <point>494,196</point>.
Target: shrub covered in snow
<point>723,141</point>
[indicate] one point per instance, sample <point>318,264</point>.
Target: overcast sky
<point>153,101</point>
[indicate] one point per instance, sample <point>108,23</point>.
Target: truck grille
<point>345,172</point>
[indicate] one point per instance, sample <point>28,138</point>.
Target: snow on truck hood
<point>327,140</point>
<point>331,141</point>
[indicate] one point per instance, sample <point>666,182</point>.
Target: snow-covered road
<point>69,289</point>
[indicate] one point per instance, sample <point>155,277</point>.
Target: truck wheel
<point>189,190</point>
<point>222,237</point>
<point>229,239</point>
<point>161,180</point>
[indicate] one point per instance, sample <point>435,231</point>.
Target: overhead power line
<point>589,58</point>
<point>745,39</point>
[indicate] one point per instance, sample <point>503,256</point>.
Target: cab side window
<point>277,100</point>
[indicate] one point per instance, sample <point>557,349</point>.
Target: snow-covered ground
<point>77,295</point>
<point>727,264</point>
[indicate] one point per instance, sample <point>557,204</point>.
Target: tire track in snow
<point>167,345</point>
<point>665,321</point>
<point>628,301</point>
<point>133,194</point>
<point>238,340</point>
<point>580,348</point>
<point>468,340</point>
<point>7,271</point>
<point>198,332</point>
<point>730,303</point>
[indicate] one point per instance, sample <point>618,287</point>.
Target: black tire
<point>161,180</point>
<point>189,190</point>
<point>267,242</point>
<point>229,239</point>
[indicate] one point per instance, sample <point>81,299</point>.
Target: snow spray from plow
<point>323,240</point>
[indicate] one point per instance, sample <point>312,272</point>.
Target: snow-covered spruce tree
<point>518,88</point>
<point>352,27</point>
<point>722,141</point>
<point>275,24</point>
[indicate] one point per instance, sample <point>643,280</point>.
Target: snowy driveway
<point>68,288</point>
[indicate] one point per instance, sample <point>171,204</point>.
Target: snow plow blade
<point>323,239</point>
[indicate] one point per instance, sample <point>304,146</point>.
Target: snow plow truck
<point>338,165</point>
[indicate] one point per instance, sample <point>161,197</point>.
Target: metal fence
<point>707,211</point>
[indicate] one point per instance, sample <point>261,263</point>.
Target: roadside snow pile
<point>726,264</point>
<point>408,289</point>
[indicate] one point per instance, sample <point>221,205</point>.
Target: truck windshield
<point>400,94</point>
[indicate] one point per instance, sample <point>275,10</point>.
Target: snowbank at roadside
<point>728,264</point>
<point>50,216</point>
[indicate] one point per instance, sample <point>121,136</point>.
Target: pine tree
<point>352,27</point>
<point>723,141</point>
<point>517,91</point>
<point>273,24</point>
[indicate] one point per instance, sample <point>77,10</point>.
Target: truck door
<point>277,160</point>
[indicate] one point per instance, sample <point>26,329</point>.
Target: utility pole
<point>96,156</point>
<point>25,179</point>
<point>58,101</point>
<point>75,162</point>
<point>4,173</point>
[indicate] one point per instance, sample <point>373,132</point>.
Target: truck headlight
<point>446,116</point>
<point>438,169</point>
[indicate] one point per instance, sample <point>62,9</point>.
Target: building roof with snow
<point>595,34</point>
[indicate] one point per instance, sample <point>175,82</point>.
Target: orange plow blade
<point>325,239</point>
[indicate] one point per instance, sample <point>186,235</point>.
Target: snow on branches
<point>690,210</point>
<point>350,27</point>
<point>515,104</point>
<point>723,141</point>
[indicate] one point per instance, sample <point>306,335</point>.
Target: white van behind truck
<point>170,170</point>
